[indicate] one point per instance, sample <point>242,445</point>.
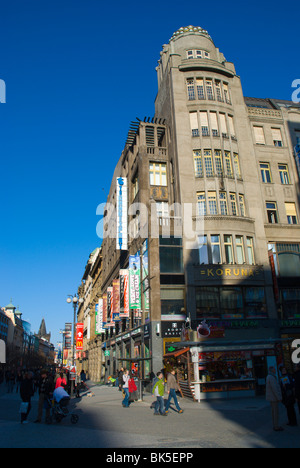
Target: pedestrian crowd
<point>284,389</point>
<point>49,383</point>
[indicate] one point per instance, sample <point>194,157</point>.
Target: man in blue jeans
<point>158,390</point>
<point>172,387</point>
<point>126,377</point>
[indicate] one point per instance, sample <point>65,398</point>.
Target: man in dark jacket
<point>26,392</point>
<point>46,388</point>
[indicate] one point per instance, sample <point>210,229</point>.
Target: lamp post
<point>74,299</point>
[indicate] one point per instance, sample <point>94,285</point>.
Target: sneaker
<point>167,411</point>
<point>164,414</point>
<point>180,411</point>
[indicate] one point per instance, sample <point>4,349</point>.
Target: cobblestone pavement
<point>104,423</point>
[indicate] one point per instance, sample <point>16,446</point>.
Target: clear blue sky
<point>77,72</point>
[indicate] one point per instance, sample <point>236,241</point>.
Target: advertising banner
<point>116,300</point>
<point>134,281</point>
<point>104,311</point>
<point>110,322</point>
<point>122,228</point>
<point>99,318</point>
<point>68,336</point>
<point>124,293</point>
<point>145,278</point>
<point>79,336</point>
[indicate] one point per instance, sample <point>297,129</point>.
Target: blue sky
<point>76,74</point>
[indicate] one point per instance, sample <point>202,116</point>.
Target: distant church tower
<point>42,331</point>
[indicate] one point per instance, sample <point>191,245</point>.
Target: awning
<point>176,353</point>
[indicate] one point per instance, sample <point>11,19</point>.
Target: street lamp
<point>74,299</point>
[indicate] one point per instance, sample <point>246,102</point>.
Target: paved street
<point>104,423</point>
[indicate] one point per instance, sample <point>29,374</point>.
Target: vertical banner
<point>116,300</point>
<point>104,311</point>
<point>99,318</point>
<point>145,277</point>
<point>110,322</point>
<point>79,336</point>
<point>122,217</point>
<point>124,293</point>
<point>68,336</point>
<point>134,281</point>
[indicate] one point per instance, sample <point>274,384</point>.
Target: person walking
<point>172,387</point>
<point>26,392</point>
<point>158,391</point>
<point>46,388</point>
<point>274,396</point>
<point>288,396</point>
<point>126,377</point>
<point>132,388</point>
<point>120,379</point>
<point>297,385</point>
<point>61,381</point>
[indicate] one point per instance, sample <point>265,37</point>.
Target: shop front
<point>231,370</point>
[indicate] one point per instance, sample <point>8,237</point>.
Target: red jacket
<point>131,386</point>
<point>60,381</point>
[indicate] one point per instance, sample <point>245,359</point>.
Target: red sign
<point>79,336</point>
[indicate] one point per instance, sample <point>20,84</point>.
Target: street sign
<point>106,353</point>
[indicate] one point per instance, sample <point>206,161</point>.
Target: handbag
<point>24,407</point>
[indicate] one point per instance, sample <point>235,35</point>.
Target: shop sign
<point>233,324</point>
<point>107,353</point>
<point>229,272</point>
<point>147,329</point>
<point>290,323</point>
<point>171,329</point>
<point>79,336</point>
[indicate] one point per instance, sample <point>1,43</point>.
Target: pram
<point>59,411</point>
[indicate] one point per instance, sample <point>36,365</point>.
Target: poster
<point>116,301</point>
<point>134,281</point>
<point>124,293</point>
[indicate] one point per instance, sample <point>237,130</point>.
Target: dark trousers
<point>25,415</point>
<point>291,414</point>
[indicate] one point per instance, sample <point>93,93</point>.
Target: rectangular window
<point>218,163</point>
<point>158,174</point>
<point>208,163</point>
<point>226,93</point>
<point>233,204</point>
<point>231,302</point>
<point>272,212</point>
<point>200,88</point>
<point>223,125</point>
<point>170,255</point>
<point>259,135</point>
<point>242,204</point>
<point>203,250</point>
<point>212,203</point>
<point>276,135</point>
<point>228,249</point>
<point>215,249</point>
<point>250,251</point>
<point>209,90</point>
<point>223,203</point>
<point>228,164</point>
<point>265,173</point>
<point>201,203</point>
<point>198,164</point>
<point>190,89</point>
<point>236,164</point>
<point>231,126</point>
<point>284,174</point>
<point>194,124</point>
<point>214,124</point>
<point>207,302</point>
<point>239,245</point>
<point>218,91</point>
<point>172,303</point>
<point>291,214</point>
<point>204,123</point>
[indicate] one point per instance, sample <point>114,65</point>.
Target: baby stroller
<point>60,410</point>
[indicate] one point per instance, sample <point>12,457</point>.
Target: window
<point>201,203</point>
<point>208,163</point>
<point>194,124</point>
<point>214,124</point>
<point>276,135</point>
<point>197,54</point>
<point>291,214</point>
<point>198,164</point>
<point>242,204</point>
<point>172,303</point>
<point>259,135</point>
<point>265,173</point>
<point>218,163</point>
<point>250,251</point>
<point>284,174</point>
<point>135,187</point>
<point>218,91</point>
<point>203,250</point>
<point>207,302</point>
<point>209,90</point>
<point>170,255</point>
<point>190,89</point>
<point>223,203</point>
<point>162,210</point>
<point>239,245</point>
<point>215,249</point>
<point>204,123</point>
<point>200,88</point>
<point>226,93</point>
<point>223,125</point>
<point>236,164</point>
<point>228,249</point>
<point>212,203</point>
<point>272,212</point>
<point>232,197</point>
<point>228,164</point>
<point>158,174</point>
<point>231,302</point>
<point>231,126</point>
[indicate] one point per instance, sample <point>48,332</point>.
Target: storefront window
<point>207,302</point>
<point>255,304</point>
<point>231,302</point>
<point>172,303</point>
<point>290,299</point>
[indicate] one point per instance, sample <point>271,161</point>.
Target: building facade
<point>211,214</point>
